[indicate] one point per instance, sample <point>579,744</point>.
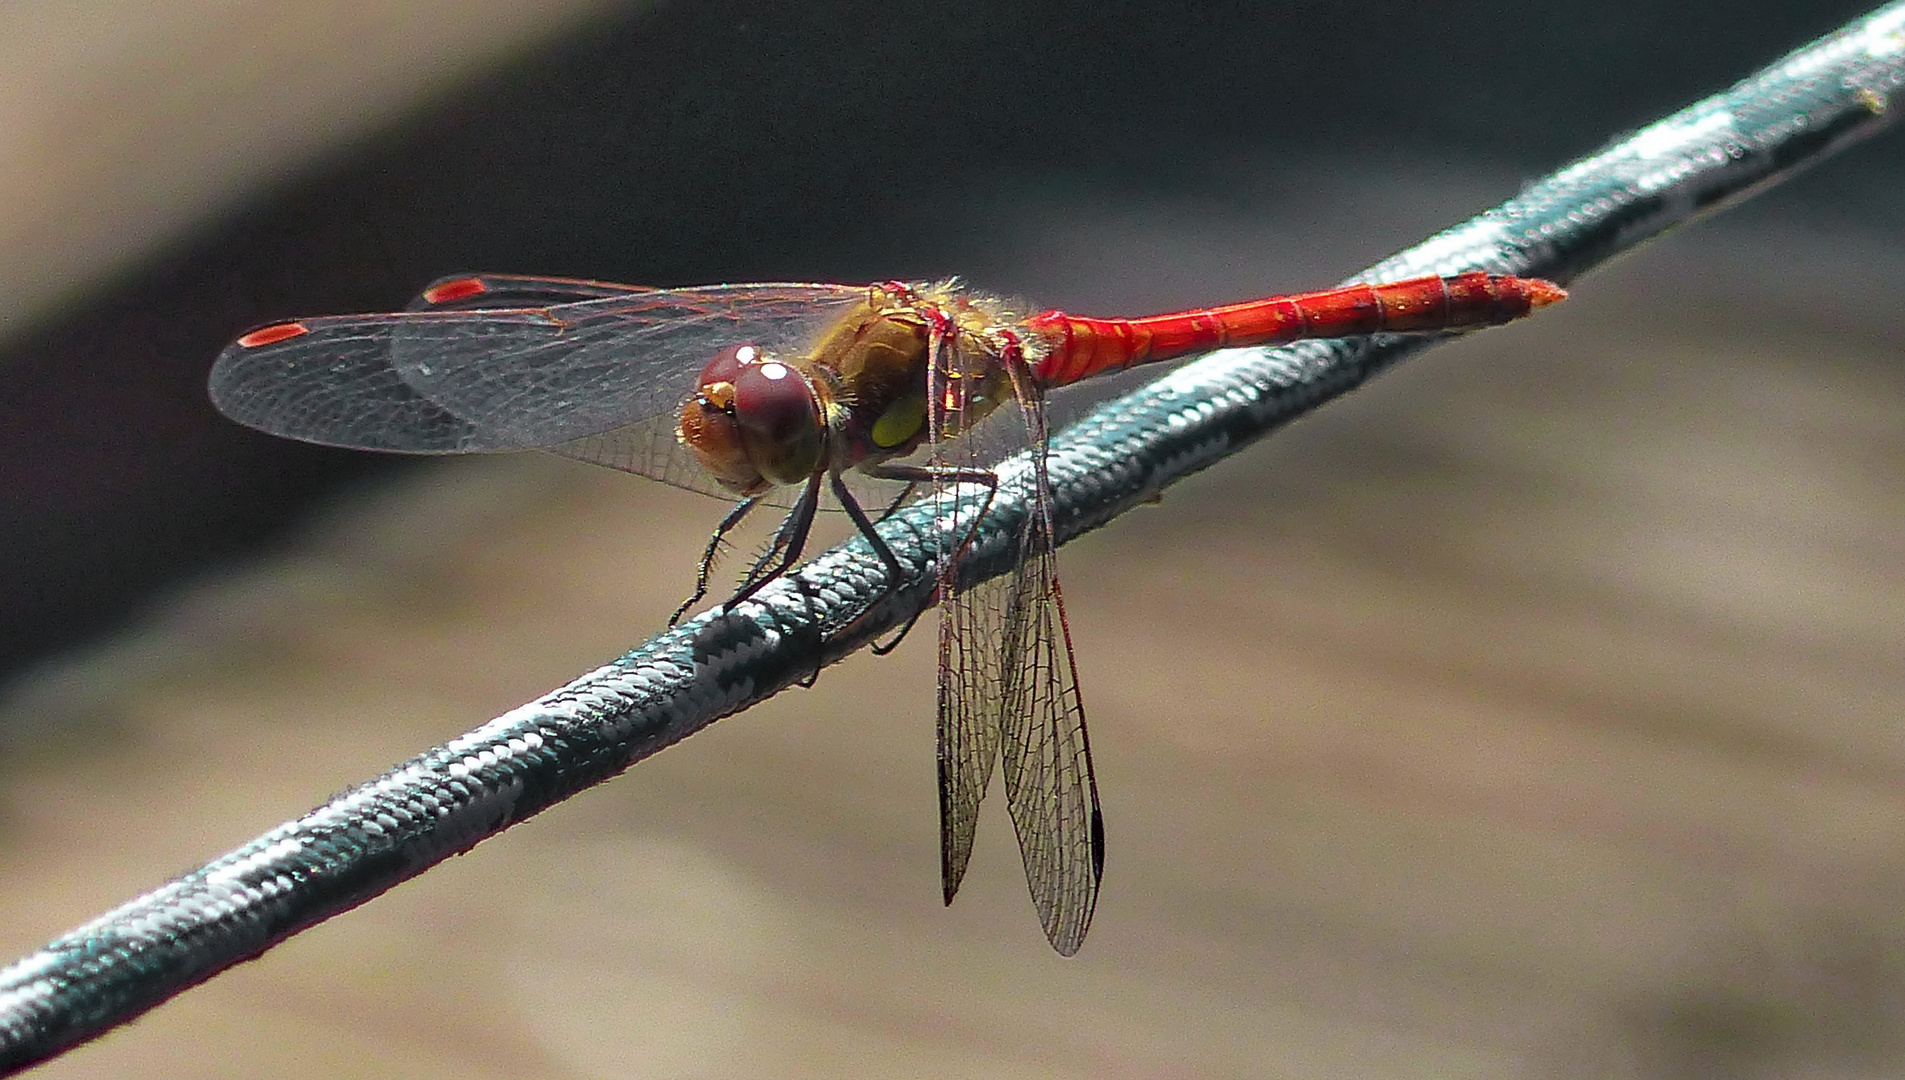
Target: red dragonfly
<point>797,384</point>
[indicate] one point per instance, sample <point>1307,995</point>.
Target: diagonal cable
<point>448,799</point>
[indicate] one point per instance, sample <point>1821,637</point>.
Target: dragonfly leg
<point>905,493</point>
<point>914,475</point>
<point>886,553</point>
<point>882,648</point>
<point>706,568</point>
<point>787,546</point>
<point>860,521</point>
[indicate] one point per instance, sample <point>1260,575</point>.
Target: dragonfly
<point>772,392</point>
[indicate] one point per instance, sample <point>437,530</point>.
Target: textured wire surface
<point>446,800</point>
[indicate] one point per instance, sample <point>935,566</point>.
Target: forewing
<point>331,380</point>
<point>1050,786</point>
<point>969,629</point>
<point>598,365</point>
<point>969,700</point>
<point>647,447</point>
<point>1009,688</point>
<point>449,381</point>
<point>476,292</point>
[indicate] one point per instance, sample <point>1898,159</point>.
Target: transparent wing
<point>332,381</point>
<point>1009,692</point>
<point>476,292</point>
<point>969,700</point>
<point>1045,755</point>
<point>459,381</point>
<point>1050,785</point>
<point>648,447</point>
<point>970,630</point>
<point>651,448</point>
<point>1014,699</point>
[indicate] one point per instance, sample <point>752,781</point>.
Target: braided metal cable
<point>450,798</point>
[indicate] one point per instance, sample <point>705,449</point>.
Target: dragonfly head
<point>753,422</point>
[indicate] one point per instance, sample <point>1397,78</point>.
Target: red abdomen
<point>1083,347</point>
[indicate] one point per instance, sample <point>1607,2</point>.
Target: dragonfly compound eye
<point>779,421</point>
<point>707,426</point>
<point>728,364</point>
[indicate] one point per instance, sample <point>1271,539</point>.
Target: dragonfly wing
<point>969,629</point>
<point>598,365</point>
<point>331,381</point>
<point>447,381</point>
<point>1045,753</point>
<point>1008,685</point>
<point>652,448</point>
<point>477,292</point>
<point>969,700</point>
<point>1009,693</point>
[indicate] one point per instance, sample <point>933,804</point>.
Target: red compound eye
<point>775,409</point>
<point>728,364</point>
<point>773,401</point>
<point>753,421</point>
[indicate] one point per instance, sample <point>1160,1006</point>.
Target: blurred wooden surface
<point>124,126</point>
<point>1534,712</point>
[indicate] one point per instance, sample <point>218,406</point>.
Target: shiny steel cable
<point>446,800</point>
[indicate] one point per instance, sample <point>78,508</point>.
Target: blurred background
<point>1533,712</point>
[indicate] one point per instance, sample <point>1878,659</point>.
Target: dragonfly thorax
<point>893,395</point>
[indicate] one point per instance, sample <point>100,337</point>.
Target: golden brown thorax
<point>874,362</point>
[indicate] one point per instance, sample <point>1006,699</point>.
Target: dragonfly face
<point>753,421</point>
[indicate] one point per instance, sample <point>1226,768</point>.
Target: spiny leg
<point>706,568</point>
<point>893,570</point>
<point>892,507</point>
<point>859,516</point>
<point>789,540</point>
<point>852,506</point>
